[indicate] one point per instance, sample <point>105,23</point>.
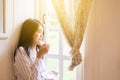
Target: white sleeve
<point>27,70</point>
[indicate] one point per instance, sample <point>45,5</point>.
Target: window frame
<point>60,57</point>
<point>3,35</point>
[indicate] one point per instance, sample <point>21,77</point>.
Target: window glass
<point>52,64</point>
<point>53,39</point>
<point>68,75</point>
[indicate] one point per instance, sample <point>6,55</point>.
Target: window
<point>58,58</point>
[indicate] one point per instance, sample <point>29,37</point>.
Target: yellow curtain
<point>73,21</point>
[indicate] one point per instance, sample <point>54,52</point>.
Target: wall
<point>102,56</point>
<point>16,12</point>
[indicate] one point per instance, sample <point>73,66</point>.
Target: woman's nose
<point>41,36</point>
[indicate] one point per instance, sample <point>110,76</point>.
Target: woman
<point>29,57</point>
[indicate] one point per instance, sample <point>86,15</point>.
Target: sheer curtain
<point>73,16</point>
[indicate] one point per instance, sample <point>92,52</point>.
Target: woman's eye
<point>39,32</point>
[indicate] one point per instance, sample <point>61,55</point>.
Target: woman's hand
<point>43,50</point>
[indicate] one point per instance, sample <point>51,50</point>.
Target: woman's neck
<point>33,47</point>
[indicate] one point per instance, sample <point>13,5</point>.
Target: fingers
<point>44,48</point>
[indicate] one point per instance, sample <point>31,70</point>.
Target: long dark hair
<point>26,35</point>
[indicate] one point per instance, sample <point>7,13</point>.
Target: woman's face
<point>38,35</point>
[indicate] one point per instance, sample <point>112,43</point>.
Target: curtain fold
<point>64,20</point>
<point>73,24</point>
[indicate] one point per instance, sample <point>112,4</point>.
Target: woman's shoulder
<point>21,50</point>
